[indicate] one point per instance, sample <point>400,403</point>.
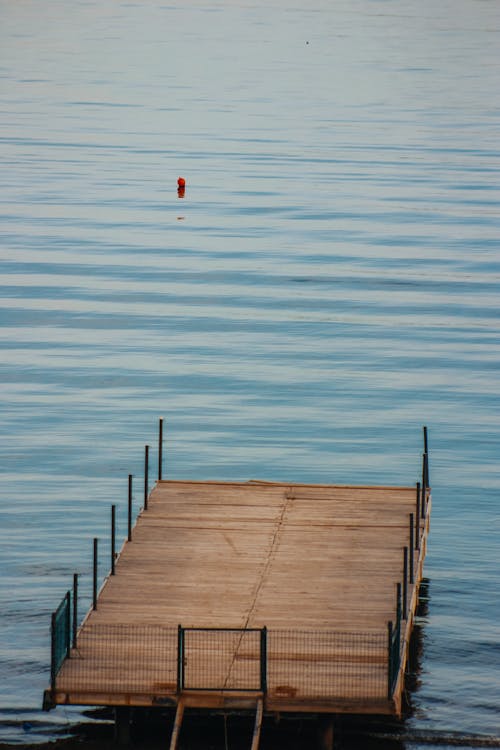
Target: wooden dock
<point>284,597</point>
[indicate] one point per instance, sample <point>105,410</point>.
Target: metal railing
<point>294,663</point>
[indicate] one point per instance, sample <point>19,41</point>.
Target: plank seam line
<point>288,495</point>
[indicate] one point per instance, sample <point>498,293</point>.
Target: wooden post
<point>258,725</point>
<point>177,724</point>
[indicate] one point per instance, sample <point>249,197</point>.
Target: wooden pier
<point>267,596</point>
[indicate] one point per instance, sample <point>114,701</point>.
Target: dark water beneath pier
<point>328,284</point>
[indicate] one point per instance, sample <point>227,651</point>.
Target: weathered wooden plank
<point>303,560</point>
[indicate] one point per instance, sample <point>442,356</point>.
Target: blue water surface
<point>328,284</point>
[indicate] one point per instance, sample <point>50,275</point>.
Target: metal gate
<point>222,659</point>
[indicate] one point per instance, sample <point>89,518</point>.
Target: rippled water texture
<point>328,284</point>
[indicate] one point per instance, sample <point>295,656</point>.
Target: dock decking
<point>299,596</point>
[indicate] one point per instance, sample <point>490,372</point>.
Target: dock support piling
<point>258,725</point>
<point>326,732</point>
<point>177,725</point>
<point>122,725</point>
<point>94,576</point>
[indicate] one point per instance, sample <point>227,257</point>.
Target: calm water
<point>328,284</point>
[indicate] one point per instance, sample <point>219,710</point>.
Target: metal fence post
<point>411,548</point>
<point>129,536</point>
<point>160,448</point>
<point>426,451</point>
<point>75,607</point>
<point>53,652</point>
<point>67,624</point>
<point>113,538</point>
<point>94,577</point>
<point>263,659</point>
<point>405,582</point>
<point>146,475</point>
<point>424,484</point>
<point>180,659</point>
<point>398,604</point>
<point>417,516</point>
<point>390,665</point>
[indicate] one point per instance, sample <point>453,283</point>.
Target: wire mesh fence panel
<point>325,665</point>
<point>394,656</point>
<point>61,622</point>
<point>221,659</point>
<point>317,665</point>
<point>122,658</point>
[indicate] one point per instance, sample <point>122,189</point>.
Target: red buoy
<point>181,182</point>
